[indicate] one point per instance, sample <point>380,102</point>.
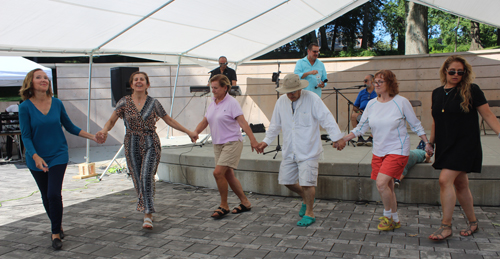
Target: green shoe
<point>306,221</point>
<point>303,209</point>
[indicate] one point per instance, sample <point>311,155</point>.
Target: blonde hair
<point>223,81</point>
<point>464,86</point>
<point>27,90</point>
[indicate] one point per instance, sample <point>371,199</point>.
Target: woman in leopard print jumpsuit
<point>140,113</point>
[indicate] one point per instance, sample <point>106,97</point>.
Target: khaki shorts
<point>228,154</point>
<point>306,172</point>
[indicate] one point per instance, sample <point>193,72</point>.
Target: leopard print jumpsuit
<point>142,146</point>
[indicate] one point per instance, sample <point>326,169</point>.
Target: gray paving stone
<point>252,253</point>
<point>266,241</point>
<point>177,245</point>
<point>226,251</point>
<point>375,251</point>
<point>87,248</point>
<point>280,255</point>
<point>345,248</point>
<point>4,249</point>
<point>408,254</point>
<point>466,256</point>
<point>325,245</point>
<point>200,248</point>
<point>489,247</point>
<point>108,251</point>
<point>352,236</point>
<point>293,243</point>
<point>435,255</point>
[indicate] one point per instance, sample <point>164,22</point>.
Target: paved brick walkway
<point>100,221</point>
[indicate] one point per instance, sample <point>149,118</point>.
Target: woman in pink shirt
<point>225,117</point>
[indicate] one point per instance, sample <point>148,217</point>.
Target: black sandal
<point>468,231</point>
<point>220,214</point>
<point>241,208</point>
<point>439,232</point>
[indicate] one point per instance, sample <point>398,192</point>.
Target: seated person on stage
<point>363,98</point>
<point>225,70</point>
<point>416,156</point>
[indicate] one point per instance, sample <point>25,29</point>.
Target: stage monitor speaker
<point>119,82</point>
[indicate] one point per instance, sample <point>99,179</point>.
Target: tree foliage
<point>381,24</point>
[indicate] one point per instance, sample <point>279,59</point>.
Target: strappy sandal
<point>241,208</point>
<point>148,223</point>
<point>220,214</point>
<point>439,232</point>
<point>468,231</point>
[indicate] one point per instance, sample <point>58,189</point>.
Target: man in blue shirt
<point>359,106</point>
<point>311,69</point>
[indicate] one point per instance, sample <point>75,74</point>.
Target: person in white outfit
<point>387,116</point>
<point>298,115</point>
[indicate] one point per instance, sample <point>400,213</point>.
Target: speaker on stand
<point>120,82</point>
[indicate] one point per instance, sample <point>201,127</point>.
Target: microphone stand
<point>349,103</point>
<point>276,78</point>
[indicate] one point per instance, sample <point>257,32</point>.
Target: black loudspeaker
<point>119,82</point>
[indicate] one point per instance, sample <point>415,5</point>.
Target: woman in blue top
<point>40,119</point>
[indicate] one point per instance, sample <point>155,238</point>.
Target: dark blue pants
<point>50,186</point>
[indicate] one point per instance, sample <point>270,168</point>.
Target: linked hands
<point>101,136</point>
<point>339,144</point>
<point>260,147</point>
<point>193,135</point>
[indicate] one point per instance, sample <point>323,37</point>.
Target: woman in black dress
<point>455,132</point>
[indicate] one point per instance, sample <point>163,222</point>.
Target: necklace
<point>449,90</point>
<point>446,96</point>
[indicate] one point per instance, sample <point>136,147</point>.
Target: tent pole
<point>87,154</point>
<point>173,96</point>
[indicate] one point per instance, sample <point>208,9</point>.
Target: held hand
<point>101,136</point>
<point>255,146</point>
<point>40,163</point>
<point>193,136</point>
<point>313,72</point>
<point>429,149</point>
<point>321,85</point>
<point>261,146</point>
<point>94,138</point>
<point>339,145</point>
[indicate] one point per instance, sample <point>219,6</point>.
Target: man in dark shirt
<point>223,69</point>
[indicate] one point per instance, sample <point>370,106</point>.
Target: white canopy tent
<point>177,32</point>
<point>13,70</point>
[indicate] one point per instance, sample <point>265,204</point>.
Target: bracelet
<point>432,144</point>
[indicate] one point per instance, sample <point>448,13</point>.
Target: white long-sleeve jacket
<point>301,128</point>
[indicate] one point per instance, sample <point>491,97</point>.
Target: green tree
<point>393,15</point>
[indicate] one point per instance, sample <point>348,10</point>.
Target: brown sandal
<point>439,232</point>
<point>468,231</point>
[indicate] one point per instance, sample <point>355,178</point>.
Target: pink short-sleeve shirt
<point>222,120</point>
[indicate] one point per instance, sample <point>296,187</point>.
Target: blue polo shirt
<point>363,98</point>
<point>303,65</point>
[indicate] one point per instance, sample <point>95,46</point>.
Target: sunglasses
<point>453,72</point>
<point>366,81</point>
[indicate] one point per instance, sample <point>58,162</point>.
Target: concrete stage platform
<point>343,175</point>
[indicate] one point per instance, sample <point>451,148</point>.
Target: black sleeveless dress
<point>457,133</point>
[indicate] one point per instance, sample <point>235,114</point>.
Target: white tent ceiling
<point>199,30</point>
<point>159,29</point>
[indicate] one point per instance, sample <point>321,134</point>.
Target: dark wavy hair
<point>391,81</point>
<point>26,90</point>
<point>463,87</point>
